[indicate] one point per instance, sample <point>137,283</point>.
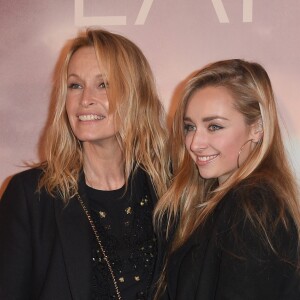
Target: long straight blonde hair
<point>190,198</point>
<point>138,114</point>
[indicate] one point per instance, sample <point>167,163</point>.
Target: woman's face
<point>215,132</point>
<point>87,103</point>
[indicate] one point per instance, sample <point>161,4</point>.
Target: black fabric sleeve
<point>15,243</point>
<point>249,268</point>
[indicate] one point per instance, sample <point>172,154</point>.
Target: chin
<point>206,176</point>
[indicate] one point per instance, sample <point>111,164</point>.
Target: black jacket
<point>45,246</point>
<point>226,259</point>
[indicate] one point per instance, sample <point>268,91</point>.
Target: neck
<point>103,167</point>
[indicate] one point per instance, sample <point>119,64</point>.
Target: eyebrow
<point>206,119</point>
<point>101,76</point>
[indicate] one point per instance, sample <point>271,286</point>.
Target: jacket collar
<point>76,236</point>
<point>76,239</point>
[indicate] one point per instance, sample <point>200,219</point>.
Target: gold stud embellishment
<point>102,214</point>
<point>128,210</point>
<point>144,201</point>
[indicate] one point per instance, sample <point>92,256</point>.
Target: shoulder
<point>254,202</point>
<point>27,180</point>
<point>29,175</point>
<point>257,193</point>
<point>253,220</point>
<point>22,192</point>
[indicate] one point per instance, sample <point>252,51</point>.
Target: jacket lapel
<point>76,239</point>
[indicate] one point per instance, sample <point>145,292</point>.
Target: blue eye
<point>214,127</point>
<point>74,86</point>
<point>189,127</point>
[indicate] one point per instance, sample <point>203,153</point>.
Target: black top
<point>225,258</point>
<point>45,245</point>
<point>123,220</point>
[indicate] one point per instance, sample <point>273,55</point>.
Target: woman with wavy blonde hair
<point>232,211</point>
<point>79,225</point>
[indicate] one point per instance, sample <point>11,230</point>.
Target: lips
<point>205,159</point>
<point>90,117</point>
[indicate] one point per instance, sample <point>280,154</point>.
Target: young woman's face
<point>87,103</point>
<point>215,132</point>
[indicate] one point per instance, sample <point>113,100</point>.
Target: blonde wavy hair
<point>190,198</point>
<point>138,114</point>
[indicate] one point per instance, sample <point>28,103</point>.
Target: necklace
<point>105,257</point>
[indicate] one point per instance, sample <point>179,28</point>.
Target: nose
<point>199,141</point>
<point>87,98</point>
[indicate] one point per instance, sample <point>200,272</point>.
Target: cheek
<point>232,146</point>
<point>188,141</point>
<point>69,106</point>
<point>106,103</point>
<point>69,112</point>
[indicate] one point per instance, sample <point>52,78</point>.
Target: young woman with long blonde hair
<point>231,214</point>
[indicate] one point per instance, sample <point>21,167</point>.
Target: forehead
<point>84,56</point>
<point>211,100</point>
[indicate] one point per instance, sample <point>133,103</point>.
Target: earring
<point>241,149</point>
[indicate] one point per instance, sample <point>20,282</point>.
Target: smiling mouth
<point>90,117</point>
<point>206,159</point>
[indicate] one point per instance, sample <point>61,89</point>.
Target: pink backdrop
<point>177,36</point>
